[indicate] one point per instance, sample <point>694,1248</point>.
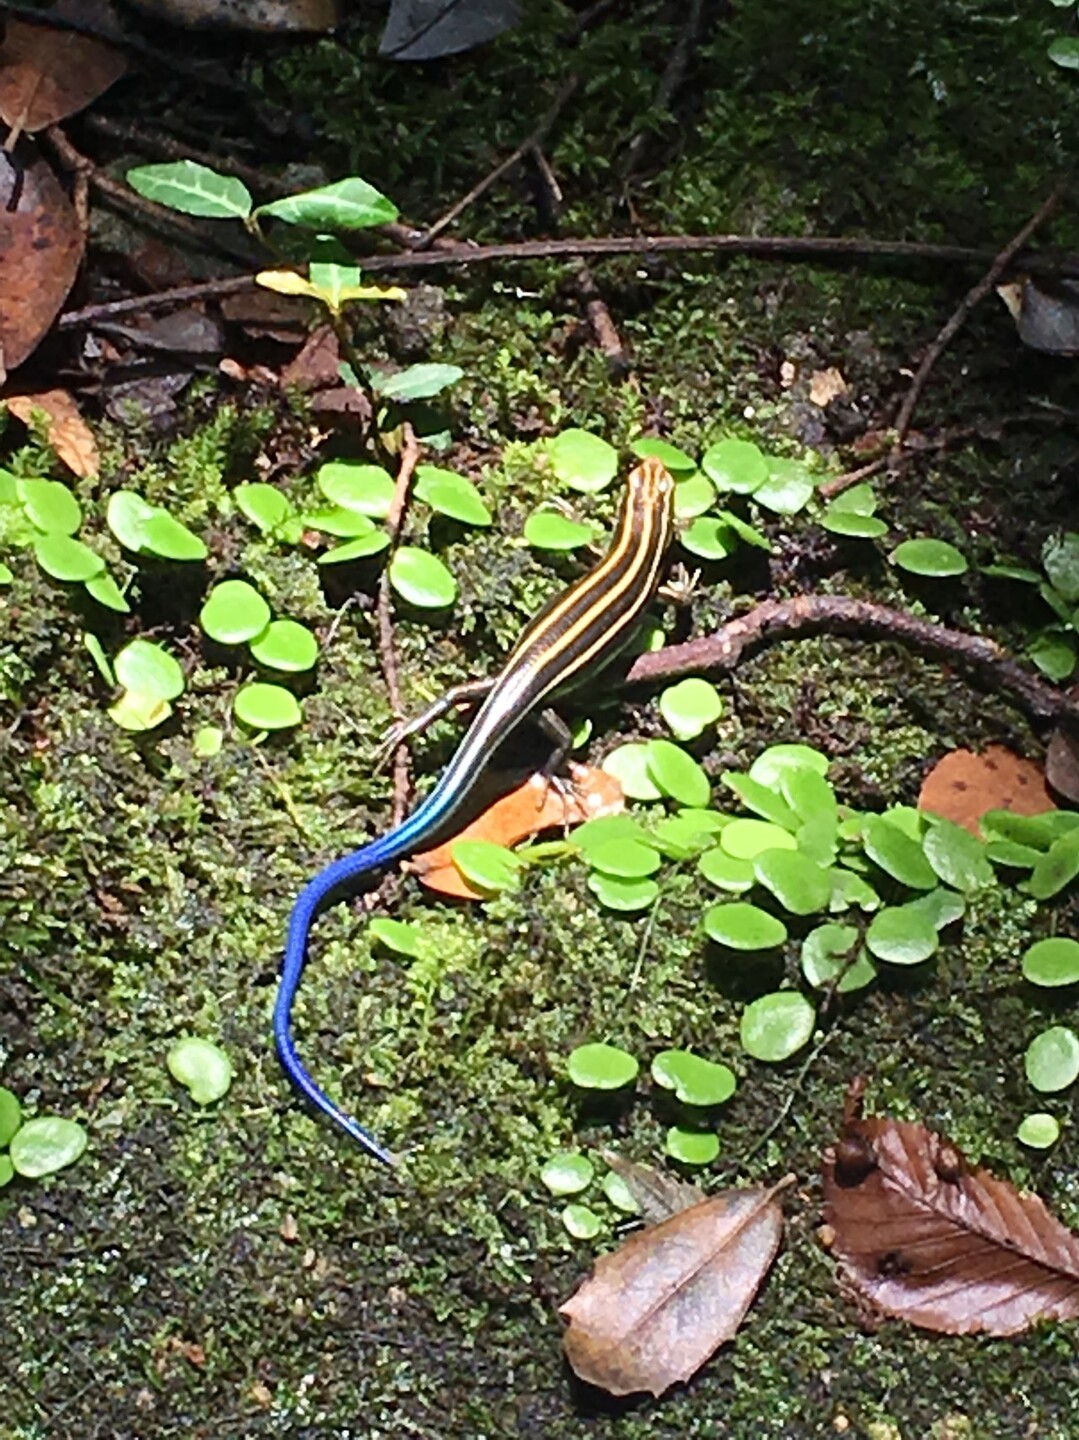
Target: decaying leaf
<point>41,247</point>
<point>269,15</point>
<point>534,806</point>
<point>1062,759</point>
<point>660,1305</point>
<point>48,73</point>
<point>658,1193</point>
<point>1046,313</point>
<point>826,386</point>
<point>66,430</point>
<point>927,1237</point>
<point>963,786</point>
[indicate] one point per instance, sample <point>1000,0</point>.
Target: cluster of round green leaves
<point>569,1174</point>
<point>38,1147</point>
<point>1054,648</point>
<point>234,613</point>
<point>44,516</point>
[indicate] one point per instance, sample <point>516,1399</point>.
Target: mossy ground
<point>243,1271</point>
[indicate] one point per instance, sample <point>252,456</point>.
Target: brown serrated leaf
<point>962,786</point>
<point>67,432</point>
<point>534,806</point>
<point>660,1305</point>
<point>48,73</point>
<point>658,1193</point>
<point>924,1236</point>
<point>41,248</point>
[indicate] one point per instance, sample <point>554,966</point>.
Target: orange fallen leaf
<point>534,806</point>
<point>660,1305</point>
<point>826,386</point>
<point>66,430</point>
<point>48,73</point>
<point>963,786</point>
<point>925,1236</point>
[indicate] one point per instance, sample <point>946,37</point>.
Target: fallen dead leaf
<point>67,432</point>
<point>658,1193</point>
<point>1062,763</point>
<point>924,1236</point>
<point>826,386</point>
<point>271,15</point>
<point>963,786</point>
<point>316,367</point>
<point>534,806</point>
<point>48,72</point>
<point>660,1305</point>
<point>41,247</point>
<point>1046,313</point>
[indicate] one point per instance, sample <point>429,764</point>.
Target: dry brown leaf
<point>317,366</point>
<point>826,386</point>
<point>48,73</point>
<point>660,1305</point>
<point>41,247</point>
<point>270,15</point>
<point>658,1193</point>
<point>963,786</point>
<point>67,432</point>
<point>924,1236</point>
<point>1062,760</point>
<point>534,806</point>
<point>1046,313</point>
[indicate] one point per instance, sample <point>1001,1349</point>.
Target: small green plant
<point>44,517</point>
<point>35,1148</point>
<point>202,1068</point>
<point>1054,647</point>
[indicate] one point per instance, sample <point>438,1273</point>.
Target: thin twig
<point>792,1092</point>
<point>837,614</point>
<point>531,142</point>
<point>672,78</point>
<point>387,651</point>
<point>975,295</point>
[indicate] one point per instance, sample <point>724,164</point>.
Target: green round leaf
<point>736,465</point>
<point>349,204</point>
<point>50,506</point>
<point>337,521</point>
<point>683,835</point>
<point>166,538</point>
<point>897,854</point>
<point>66,559</point>
<point>267,707</point>
<point>487,866</point>
<point>1064,51</point>
<point>629,765</point>
<point>264,505</point>
<point>10,1116</point>
<point>773,764</point>
<point>708,537</point>
<point>902,935</point>
<point>1052,1059</point>
<point>193,189</point>
<point>746,839</point>
<point>286,645</point>
<point>358,549</point>
<point>929,557</point>
<point>104,589</point>
<point>367,489</point>
<point>957,856</point>
<point>596,833</point>
<point>797,883</point>
<point>776,1026</point>
<point>397,936</point>
<point>942,907</point>
<point>567,1173</point>
<point>202,1068</point>
<point>1060,556</point>
<point>582,461</point>
<point>622,894</point>
<point>7,1171</point>
<point>761,799</point>
<point>693,496</point>
<point>690,707</point>
<point>694,1080</point>
<point>1053,961</point>
<point>45,1145</point>
<point>149,669</point>
<point>601,1067</point>
<point>1038,1131</point>
<point>848,890</point>
<point>421,578</point>
<point>743,530</point>
<point>856,500</point>
<point>851,525</point>
<point>207,741</point>
<point>627,858</point>
<point>677,774</point>
<point>788,487</point>
<point>551,530</point>
<point>451,494</point>
<point>581,1222</point>
<point>7,575</point>
<point>1056,868</point>
<point>1054,654</point>
<point>417,382</point>
<point>675,460</point>
<point>692,1147</point>
<point>125,514</point>
<point>137,711</point>
<point>234,612</point>
<point>619,1194</point>
<point>741,926</point>
<point>826,956</point>
<point>728,872</point>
